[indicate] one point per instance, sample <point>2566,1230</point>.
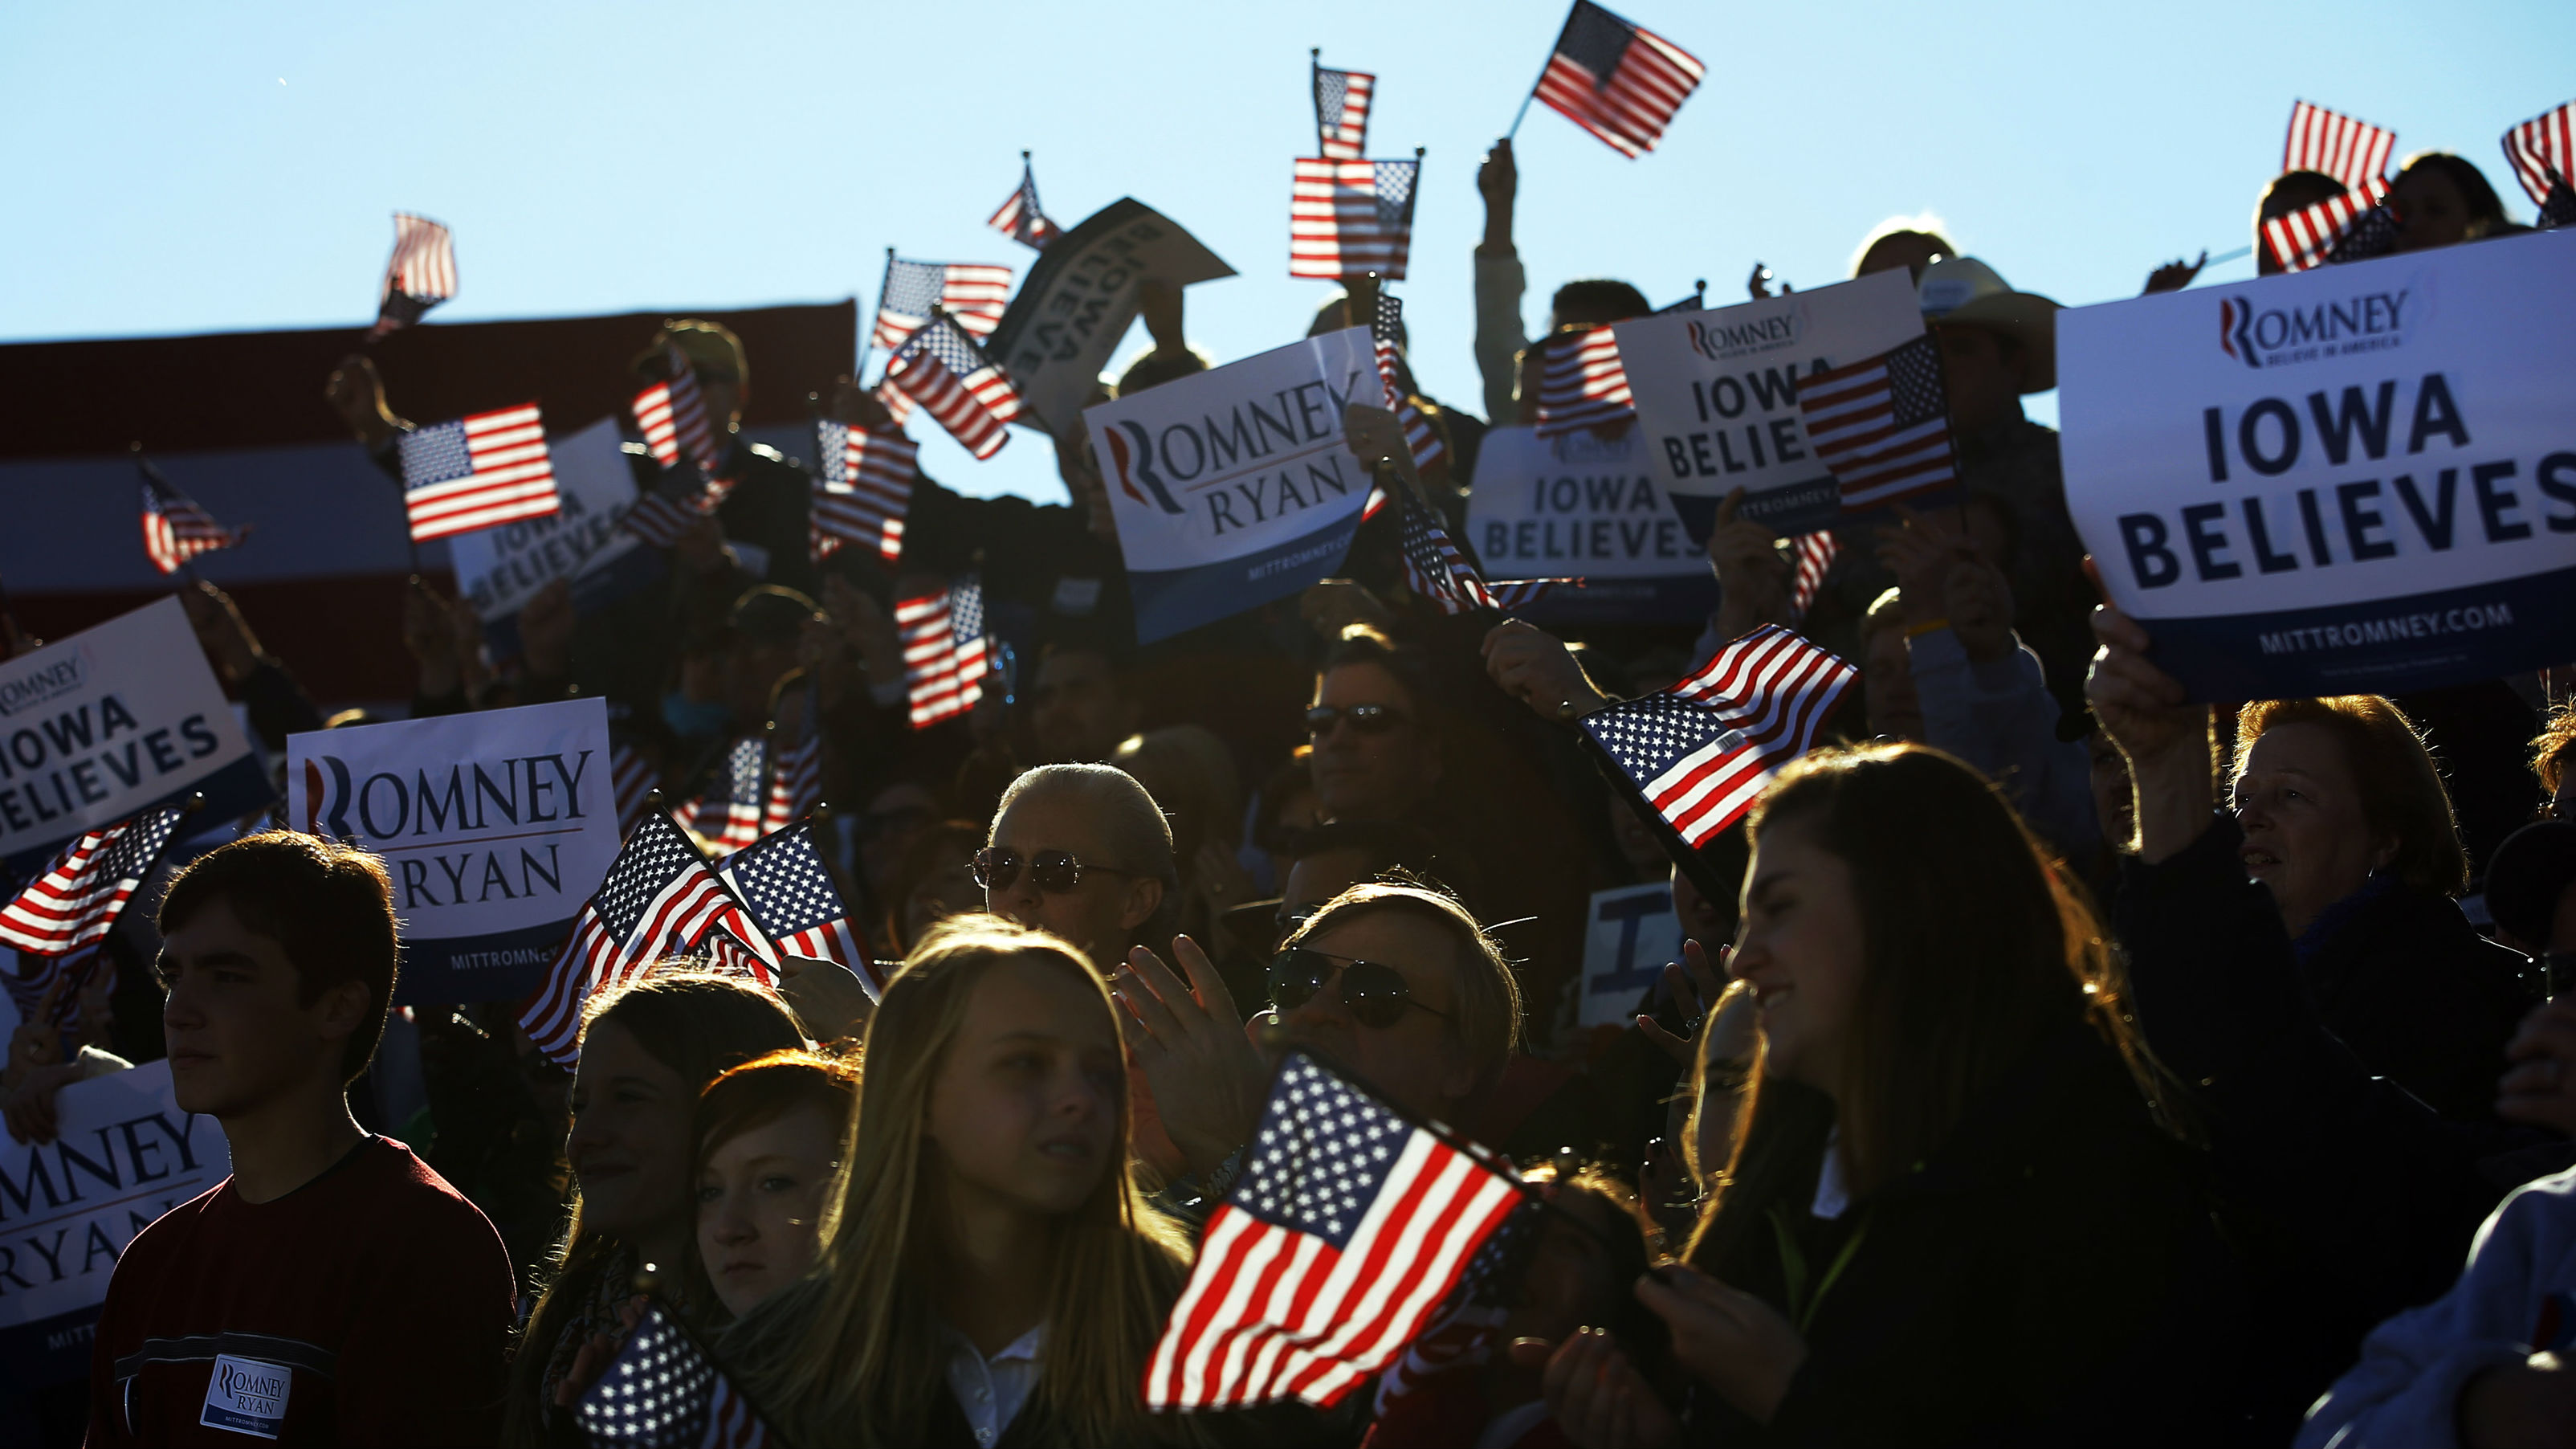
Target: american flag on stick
<point>728,815</point>
<point>1881,425</point>
<point>659,900</point>
<point>1349,1227</point>
<point>974,293</point>
<point>1621,82</point>
<point>672,415</point>
<point>1814,554</point>
<point>2543,153</point>
<point>1436,569</point>
<point>862,488</point>
<point>944,653</point>
<point>662,1391</point>
<point>2352,152</point>
<point>482,470</point>
<point>1341,110</point>
<point>788,890</point>
<point>1386,329</point>
<point>77,899</point>
<point>421,274</point>
<point>2346,228</point>
<point>942,369</point>
<point>1583,384</point>
<point>1020,218</point>
<point>1349,217</point>
<point>1701,752</point>
<point>175,528</point>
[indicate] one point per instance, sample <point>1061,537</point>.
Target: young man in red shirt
<point>333,1290</point>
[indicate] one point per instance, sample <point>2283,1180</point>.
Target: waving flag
<point>1347,1229</point>
<point>1583,385</point>
<point>76,901</point>
<point>862,488</point>
<point>1341,112</point>
<point>1701,752</point>
<point>2543,153</point>
<point>481,470</point>
<point>2347,228</point>
<point>788,890</point>
<point>1815,554</point>
<point>728,815</point>
<point>1433,566</point>
<point>974,293</point>
<point>659,900</point>
<point>421,274</point>
<point>672,415</point>
<point>634,781</point>
<point>944,654</point>
<point>663,1392</point>
<point>175,529</point>
<point>1020,218</point>
<point>1881,425</point>
<point>1349,217</point>
<point>942,369</point>
<point>2352,152</point>
<point>1619,81</point>
<point>1387,330</point>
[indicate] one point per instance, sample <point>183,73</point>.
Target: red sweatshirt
<point>372,1305</point>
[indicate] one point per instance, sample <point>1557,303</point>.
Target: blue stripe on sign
<point>2383,646</point>
<point>1173,600</point>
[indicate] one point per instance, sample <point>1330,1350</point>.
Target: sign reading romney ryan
<point>496,827</point>
<point>1717,394</point>
<point>2359,479</point>
<point>1233,487</point>
<point>113,720</point>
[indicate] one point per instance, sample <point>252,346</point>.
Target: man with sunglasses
<point>1375,757</point>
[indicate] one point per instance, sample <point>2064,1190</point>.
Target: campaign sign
<point>2359,479</point>
<point>126,1155</point>
<point>1628,936</point>
<point>1717,394</point>
<point>1078,300</point>
<point>1233,487</point>
<point>1586,506</point>
<point>497,569</point>
<point>113,720</point>
<point>495,826</point>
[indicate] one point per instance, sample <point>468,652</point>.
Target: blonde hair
<point>852,1352</point>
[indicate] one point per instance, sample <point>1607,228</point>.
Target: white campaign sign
<point>125,1155</point>
<point>496,827</point>
<point>498,568</point>
<point>2356,479</point>
<point>1586,506</point>
<point>1717,394</point>
<point>1629,935</point>
<point>114,719</point>
<point>1233,487</point>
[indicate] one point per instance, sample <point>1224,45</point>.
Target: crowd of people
<point>2064,1061</point>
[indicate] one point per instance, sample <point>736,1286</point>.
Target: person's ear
<point>1144,897</point>
<point>1459,1083</point>
<point>344,1009</point>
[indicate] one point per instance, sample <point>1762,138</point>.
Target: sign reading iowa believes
<point>1233,487</point>
<point>495,826</point>
<point>2356,479</point>
<point>1588,506</point>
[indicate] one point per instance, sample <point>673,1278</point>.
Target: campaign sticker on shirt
<point>247,1396</point>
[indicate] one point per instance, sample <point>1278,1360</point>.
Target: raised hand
<point>1595,1393</point>
<point>1498,181</point>
<point>357,394</point>
<point>2174,276</point>
<point>1210,1085</point>
<point>1755,579</point>
<point>1696,983</point>
<point>1534,667</point>
<point>1727,1338</point>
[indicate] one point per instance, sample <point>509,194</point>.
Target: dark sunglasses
<point>1368,719</point>
<point>1375,993</point>
<point>1054,871</point>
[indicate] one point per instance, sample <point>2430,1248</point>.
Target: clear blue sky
<point>192,168</point>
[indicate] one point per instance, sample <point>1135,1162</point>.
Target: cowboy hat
<point>1967,292</point>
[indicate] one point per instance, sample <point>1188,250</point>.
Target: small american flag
<point>944,653</point>
<point>76,901</point>
<point>662,1391</point>
<point>1815,554</point>
<point>1701,752</point>
<point>175,528</point>
<point>1020,218</point>
<point>728,815</point>
<point>2343,228</point>
<point>788,890</point>
<point>1697,301</point>
<point>634,780</point>
<point>421,275</point>
<point>974,293</point>
<point>1583,385</point>
<point>672,415</point>
<point>37,975</point>
<point>862,488</point>
<point>2352,152</point>
<point>1341,112</point>
<point>1349,1226</point>
<point>659,900</point>
<point>1386,329</point>
<point>2543,153</point>
<point>942,369</point>
<point>1349,217</point>
<point>1881,425</point>
<point>1619,81</point>
<point>1434,568</point>
<point>481,470</point>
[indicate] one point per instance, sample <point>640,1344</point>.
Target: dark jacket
<point>2050,1276</point>
<point>2404,979</point>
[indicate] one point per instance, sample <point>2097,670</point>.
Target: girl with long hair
<point>992,1273</point>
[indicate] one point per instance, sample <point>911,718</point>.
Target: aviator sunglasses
<point>1375,993</point>
<point>1055,871</point>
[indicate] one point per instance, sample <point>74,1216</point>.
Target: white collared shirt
<point>991,1390</point>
